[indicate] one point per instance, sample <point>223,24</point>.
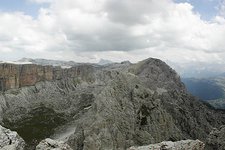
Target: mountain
<point>43,62</point>
<point>203,80</point>
<point>211,89</point>
<point>47,62</point>
<point>206,89</point>
<point>113,106</point>
<point>104,62</point>
<point>218,103</point>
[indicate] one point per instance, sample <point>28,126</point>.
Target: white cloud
<point>87,30</point>
<point>222,8</point>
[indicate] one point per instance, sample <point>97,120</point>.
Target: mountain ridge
<point>118,105</point>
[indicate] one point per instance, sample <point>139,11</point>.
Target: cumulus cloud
<point>87,30</point>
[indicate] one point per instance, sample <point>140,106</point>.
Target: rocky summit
<point>110,107</point>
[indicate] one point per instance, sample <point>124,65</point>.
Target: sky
<point>179,31</point>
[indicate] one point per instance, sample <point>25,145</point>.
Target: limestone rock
<point>10,140</point>
<point>49,144</point>
<point>216,138</point>
<point>14,76</point>
<point>168,145</point>
<point>108,107</point>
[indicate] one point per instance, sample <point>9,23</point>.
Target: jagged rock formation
<point>10,140</point>
<point>109,107</point>
<point>49,144</point>
<point>216,139</point>
<point>169,145</point>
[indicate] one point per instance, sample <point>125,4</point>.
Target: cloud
<point>222,8</point>
<point>136,12</point>
<point>84,30</point>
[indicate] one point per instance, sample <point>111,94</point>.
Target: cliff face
<point>110,107</point>
<point>15,76</point>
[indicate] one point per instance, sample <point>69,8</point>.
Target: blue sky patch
<point>29,8</point>
<point>206,8</point>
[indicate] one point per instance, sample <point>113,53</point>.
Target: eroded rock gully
<point>103,107</point>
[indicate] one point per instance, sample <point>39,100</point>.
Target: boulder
<point>169,145</point>
<point>10,140</point>
<point>49,144</point>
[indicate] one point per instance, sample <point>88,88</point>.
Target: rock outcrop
<point>10,140</point>
<point>49,144</point>
<point>169,145</point>
<point>108,107</point>
<point>14,76</point>
<point>216,139</point>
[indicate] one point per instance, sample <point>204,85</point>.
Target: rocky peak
<point>26,60</point>
<point>157,74</point>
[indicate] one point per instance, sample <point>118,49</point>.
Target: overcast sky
<point>87,30</point>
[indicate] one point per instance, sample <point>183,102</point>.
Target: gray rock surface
<point>49,144</point>
<point>10,140</point>
<point>169,145</point>
<point>216,139</point>
<point>110,107</point>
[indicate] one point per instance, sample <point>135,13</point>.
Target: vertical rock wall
<point>15,76</point>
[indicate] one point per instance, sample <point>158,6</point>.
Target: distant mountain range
<point>198,69</point>
<point>105,62</point>
<point>211,89</point>
<point>48,62</point>
<point>206,89</point>
<point>205,81</point>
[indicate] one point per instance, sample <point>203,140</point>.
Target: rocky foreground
<point>91,107</point>
<point>169,145</point>
<point>10,140</point>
